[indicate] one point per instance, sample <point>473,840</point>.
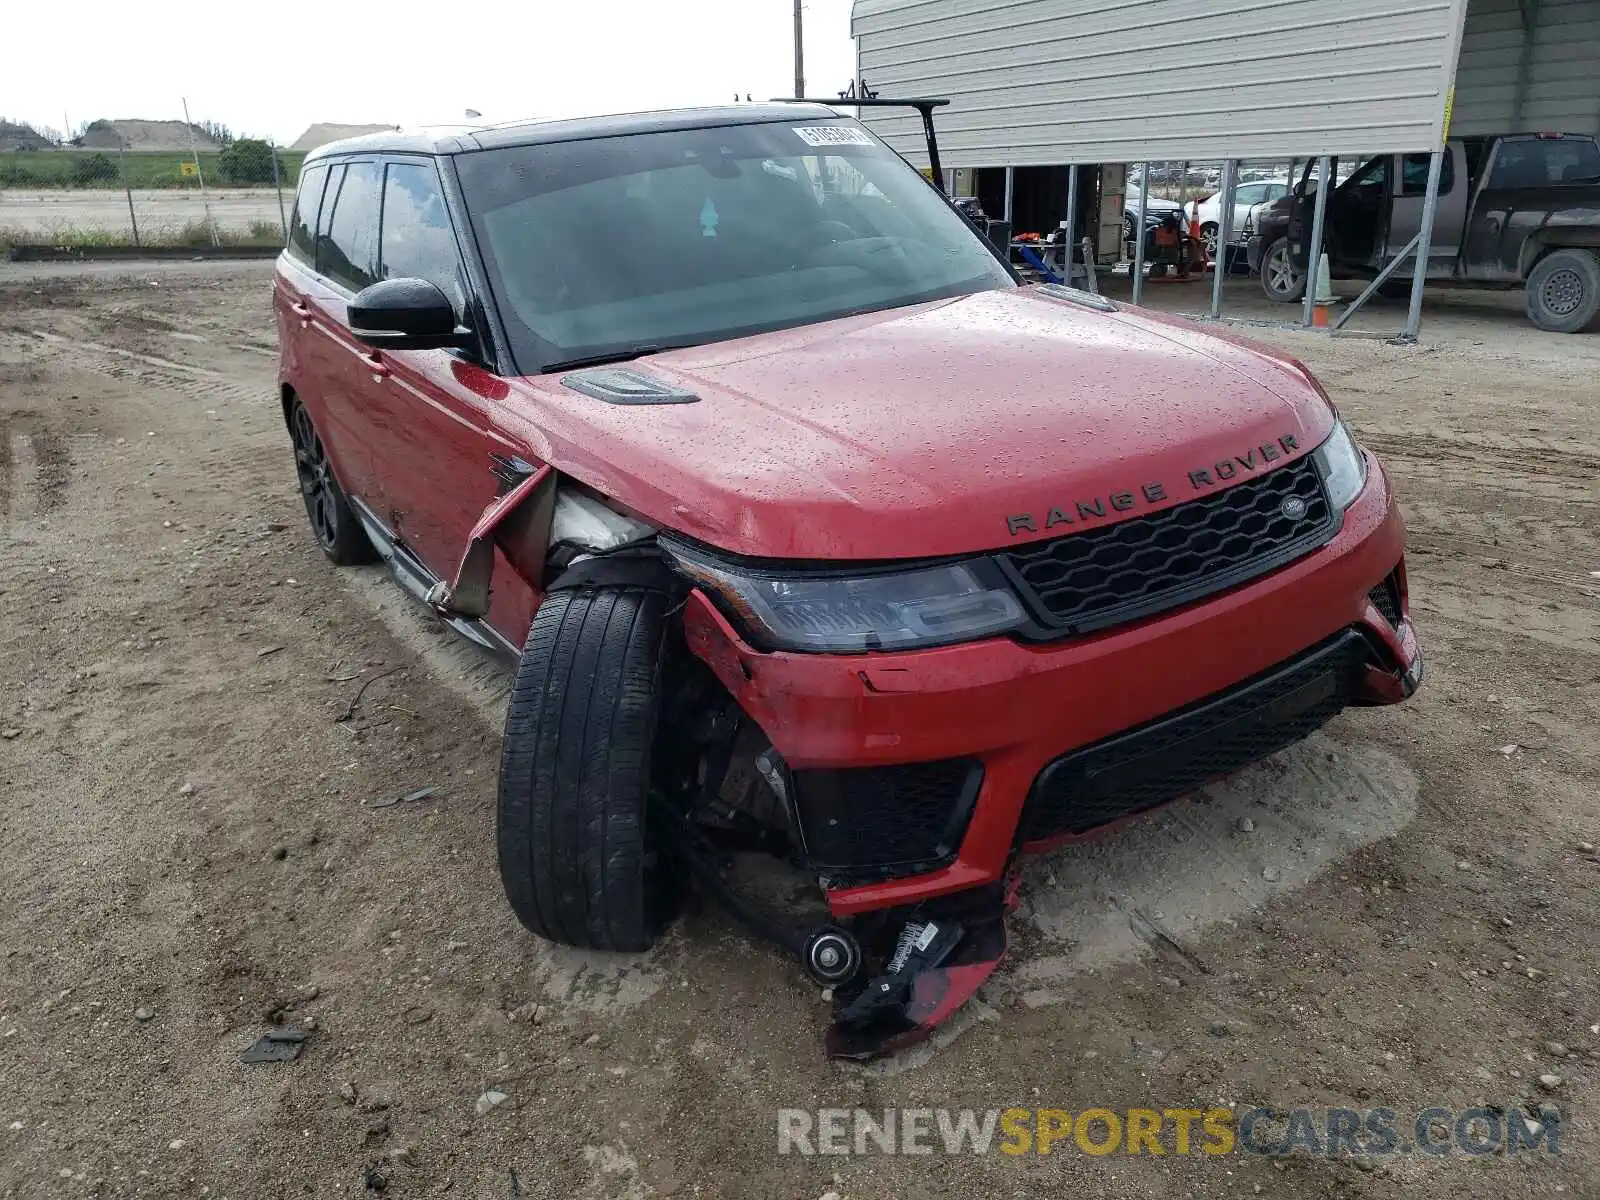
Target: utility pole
<point>194,149</point>
<point>799,55</point>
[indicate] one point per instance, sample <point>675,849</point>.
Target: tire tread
<point>575,769</point>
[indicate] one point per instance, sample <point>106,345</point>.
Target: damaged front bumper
<point>918,776</point>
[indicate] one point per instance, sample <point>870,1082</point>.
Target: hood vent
<point>1078,296</point>
<point>622,385</point>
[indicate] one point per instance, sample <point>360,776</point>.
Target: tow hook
<point>830,953</point>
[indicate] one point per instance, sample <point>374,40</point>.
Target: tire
<point>333,524</point>
<point>1563,293</point>
<point>576,853</point>
<point>1208,237</point>
<point>1282,278</point>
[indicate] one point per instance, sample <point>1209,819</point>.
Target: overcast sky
<point>271,70</point>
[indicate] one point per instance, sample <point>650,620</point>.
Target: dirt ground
<point>158,210</point>
<point>200,712</point>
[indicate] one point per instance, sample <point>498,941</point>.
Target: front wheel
<point>333,524</point>
<point>1208,235</point>
<point>1564,291</point>
<point>1282,278</point>
<point>579,860</point>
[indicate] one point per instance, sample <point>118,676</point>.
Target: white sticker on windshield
<point>832,135</point>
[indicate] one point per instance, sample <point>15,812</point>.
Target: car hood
<point>937,429</point>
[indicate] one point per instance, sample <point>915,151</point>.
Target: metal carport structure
<point>1070,82</point>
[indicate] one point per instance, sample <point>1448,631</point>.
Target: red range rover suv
<point>809,528</point>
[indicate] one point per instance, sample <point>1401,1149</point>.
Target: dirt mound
<point>14,135</point>
<point>146,135</point>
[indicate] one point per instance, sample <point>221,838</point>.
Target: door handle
<point>303,311</point>
<point>375,364</point>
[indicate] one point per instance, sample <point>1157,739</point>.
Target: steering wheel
<point>848,234</point>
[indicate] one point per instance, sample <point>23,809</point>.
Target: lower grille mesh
<point>1386,599</point>
<point>1165,758</point>
<point>883,821</point>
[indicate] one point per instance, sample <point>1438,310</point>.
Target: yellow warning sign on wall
<point>188,168</point>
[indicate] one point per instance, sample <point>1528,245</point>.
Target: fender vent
<point>621,385</point>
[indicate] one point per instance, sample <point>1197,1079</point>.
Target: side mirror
<point>406,314</point>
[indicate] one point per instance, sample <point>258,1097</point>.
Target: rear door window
<point>1542,162</point>
<point>348,252</point>
<point>418,241</point>
<point>303,229</point>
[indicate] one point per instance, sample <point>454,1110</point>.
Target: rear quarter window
<point>303,228</point>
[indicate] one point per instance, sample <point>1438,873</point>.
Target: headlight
<point>1343,466</point>
<point>894,610</point>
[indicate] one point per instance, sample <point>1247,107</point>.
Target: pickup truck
<point>1520,210</point>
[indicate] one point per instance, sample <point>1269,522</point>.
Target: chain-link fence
<point>144,185</point>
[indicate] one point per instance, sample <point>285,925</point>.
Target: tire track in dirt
<point>1551,472</point>
<point>579,981</point>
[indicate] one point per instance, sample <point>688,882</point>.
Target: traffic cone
<point>1323,296</point>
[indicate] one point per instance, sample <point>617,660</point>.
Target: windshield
<point>610,247</point>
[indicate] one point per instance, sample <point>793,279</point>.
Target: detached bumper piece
<point>941,952</point>
<point>1160,761</point>
<point>928,958</point>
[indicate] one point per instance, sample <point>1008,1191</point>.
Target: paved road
<point>47,211</point>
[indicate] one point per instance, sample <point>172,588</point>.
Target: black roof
<point>535,133</point>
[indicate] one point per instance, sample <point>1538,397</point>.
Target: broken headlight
<point>877,610</point>
<point>1342,465</point>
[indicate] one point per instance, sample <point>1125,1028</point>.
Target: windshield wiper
<point>614,356</point>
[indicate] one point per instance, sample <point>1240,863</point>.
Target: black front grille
<point>1386,599</point>
<point>1171,755</point>
<point>1098,577</point>
<point>875,822</point>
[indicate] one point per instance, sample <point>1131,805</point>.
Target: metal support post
<point>1354,306</point>
<point>1314,252</point>
<point>1070,231</point>
<point>1138,233</point>
<point>205,203</point>
<point>1430,204</point>
<point>1090,283</point>
<point>1011,190</point>
<point>1219,266</point>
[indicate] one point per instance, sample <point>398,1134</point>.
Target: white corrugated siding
<point>1561,91</point>
<point>1035,82</point>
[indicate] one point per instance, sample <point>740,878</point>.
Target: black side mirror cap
<point>406,314</point>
